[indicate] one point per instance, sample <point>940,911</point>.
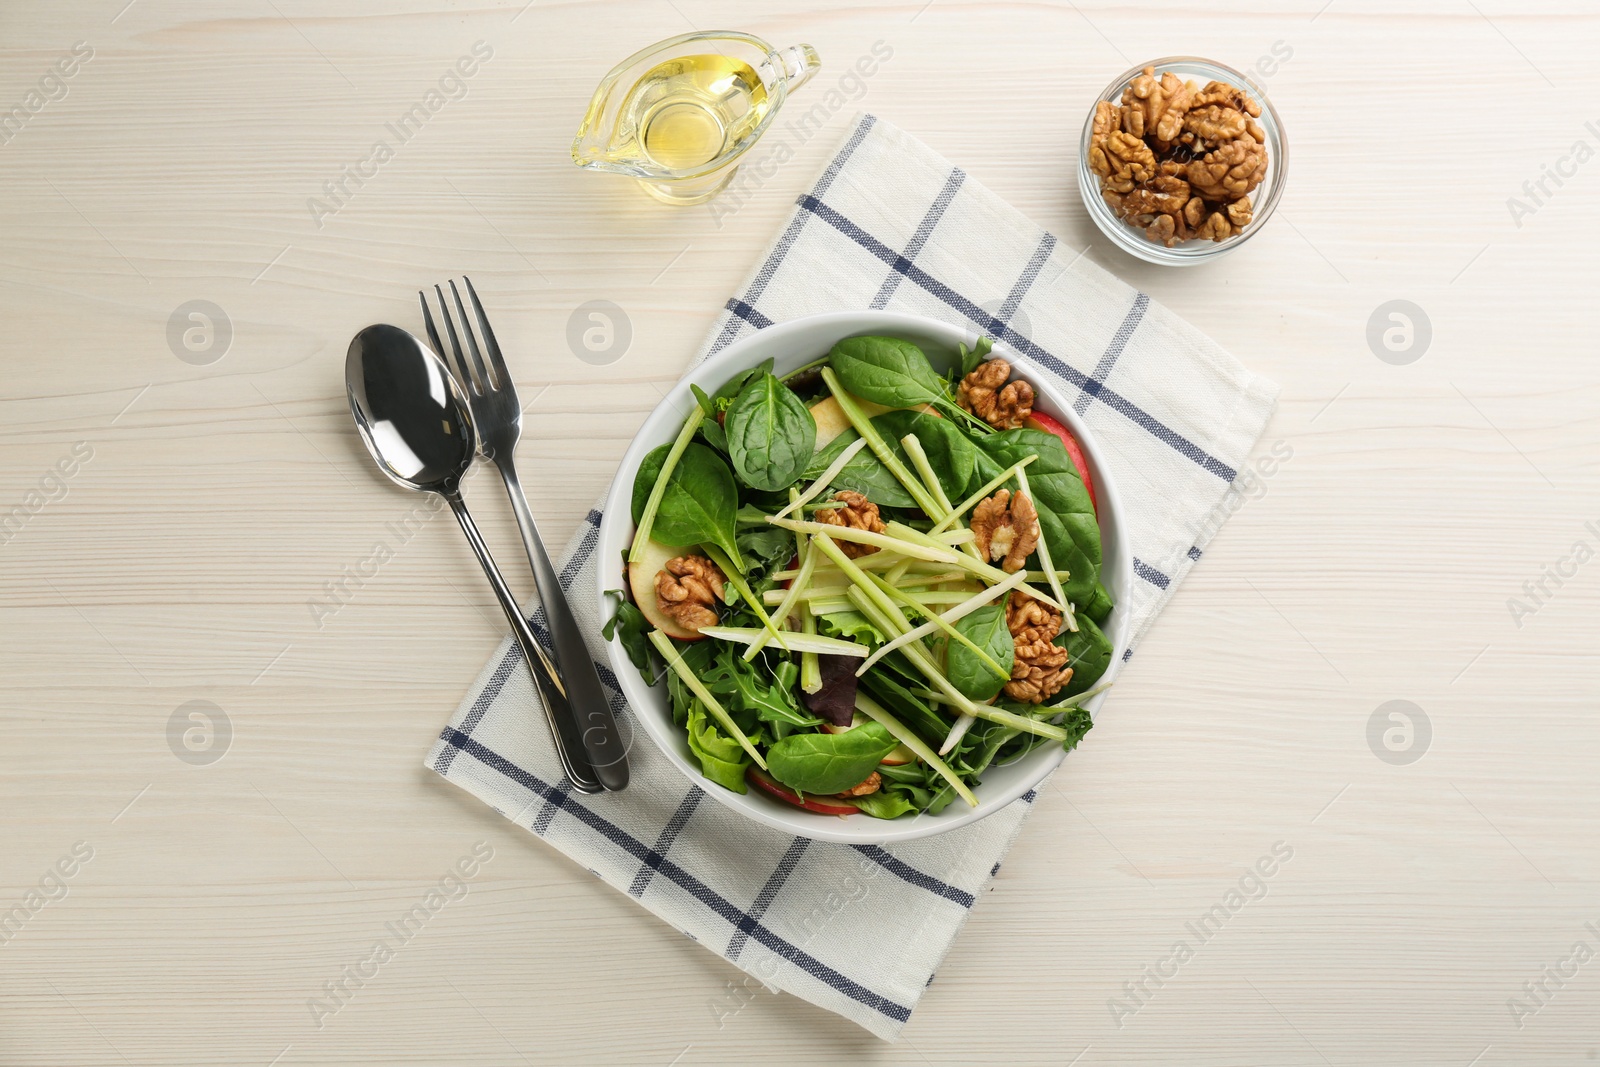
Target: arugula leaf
<point>700,502</point>
<point>770,434</point>
<point>722,760</point>
<point>829,763</point>
<point>769,696</point>
<point>970,359</point>
<point>987,629</point>
<point>1077,723</point>
<point>1089,654</point>
<point>885,370</point>
<point>629,625</point>
<point>884,804</point>
<point>1066,515</point>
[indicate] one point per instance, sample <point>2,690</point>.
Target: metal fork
<point>498,416</point>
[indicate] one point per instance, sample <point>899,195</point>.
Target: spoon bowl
<point>409,410</point>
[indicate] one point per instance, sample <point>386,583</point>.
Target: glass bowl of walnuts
<point>1183,160</point>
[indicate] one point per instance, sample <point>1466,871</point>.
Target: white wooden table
<point>210,504</point>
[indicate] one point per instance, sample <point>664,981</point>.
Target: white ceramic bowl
<point>790,345</point>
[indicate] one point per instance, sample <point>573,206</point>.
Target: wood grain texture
<point>1375,565</point>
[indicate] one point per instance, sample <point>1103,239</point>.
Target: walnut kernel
<point>688,589</point>
<point>856,513</point>
<point>1006,528</point>
<point>1040,668</point>
<point>985,393</point>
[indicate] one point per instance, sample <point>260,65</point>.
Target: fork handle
<point>563,725</point>
<point>590,708</point>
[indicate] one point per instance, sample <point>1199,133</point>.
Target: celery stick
<point>929,550</point>
<point>674,660</point>
<point>827,478</point>
<point>862,582</point>
<point>919,459</point>
<point>875,441</point>
<point>736,579</point>
<point>993,575</point>
<point>943,622</point>
<point>875,711</point>
<point>972,501</point>
<point>950,632</point>
<point>957,732</point>
<point>641,537</point>
<point>1043,548</point>
<point>796,589</point>
<point>796,641</point>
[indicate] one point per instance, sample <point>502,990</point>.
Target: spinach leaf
<point>630,626</point>
<point>885,370</point>
<point>770,434</point>
<point>865,474</point>
<point>829,763</point>
<point>765,549</point>
<point>1089,654</point>
<point>1065,514</point>
<point>1100,604</point>
<point>970,358</point>
<point>700,502</point>
<point>732,387</point>
<point>722,759</point>
<point>950,452</point>
<point>985,628</point>
<point>714,436</point>
<point>884,804</point>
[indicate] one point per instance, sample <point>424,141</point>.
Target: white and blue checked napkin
<point>861,930</point>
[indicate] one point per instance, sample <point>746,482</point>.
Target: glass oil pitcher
<point>678,115</point>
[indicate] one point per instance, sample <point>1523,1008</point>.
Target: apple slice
<point>821,805</point>
<point>901,755</point>
<point>642,580</point>
<point>831,420</point>
<point>1040,421</point>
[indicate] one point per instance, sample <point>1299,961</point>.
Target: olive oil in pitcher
<point>678,115</point>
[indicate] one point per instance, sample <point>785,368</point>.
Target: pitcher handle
<point>797,64</point>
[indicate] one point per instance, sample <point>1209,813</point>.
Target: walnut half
<point>985,393</point>
<point>1040,668</point>
<point>1006,528</point>
<point>855,512</point>
<point>688,589</point>
<point>862,788</point>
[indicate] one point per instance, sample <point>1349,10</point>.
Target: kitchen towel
<point>860,930</point>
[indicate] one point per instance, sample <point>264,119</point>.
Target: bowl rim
<point>1127,237</point>
<point>747,351</point>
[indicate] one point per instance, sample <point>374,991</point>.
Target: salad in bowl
<point>861,577</point>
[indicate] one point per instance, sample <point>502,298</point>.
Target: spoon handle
<point>602,741</point>
<point>563,724</point>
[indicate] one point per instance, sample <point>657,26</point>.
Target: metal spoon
<point>416,423</point>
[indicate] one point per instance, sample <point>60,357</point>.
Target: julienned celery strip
<point>674,660</point>
<point>653,504</point>
<point>919,459</point>
<point>815,596</point>
<point>1043,548</point>
<point>918,656</point>
<point>797,589</point>
<point>876,712</point>
<point>940,623</point>
<point>875,441</point>
<point>944,620</point>
<point>736,578</point>
<point>925,549</point>
<point>827,477</point>
<point>971,501</point>
<point>954,537</point>
<point>810,665</point>
<point>993,575</point>
<point>862,582</point>
<point>796,640</point>
<point>957,732</point>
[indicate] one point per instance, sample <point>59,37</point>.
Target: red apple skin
<point>822,806</point>
<point>1040,421</point>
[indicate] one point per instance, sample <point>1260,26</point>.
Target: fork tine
<point>455,346</point>
<point>490,345</point>
<point>490,385</point>
<point>427,318</point>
